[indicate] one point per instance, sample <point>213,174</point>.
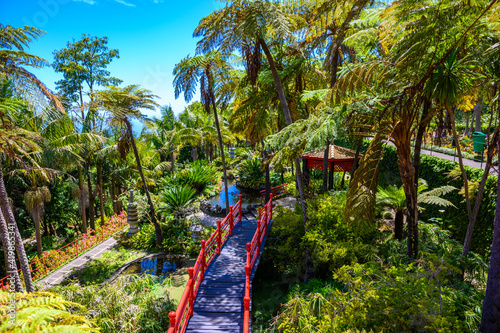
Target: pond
<point>248,196</point>
<point>159,266</point>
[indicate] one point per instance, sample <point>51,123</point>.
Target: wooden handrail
<point>209,249</point>
<point>253,252</point>
<point>277,190</point>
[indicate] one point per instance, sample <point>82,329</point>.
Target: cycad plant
<point>250,172</point>
<point>176,197</point>
<point>394,197</point>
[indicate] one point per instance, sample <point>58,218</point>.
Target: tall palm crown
<point>210,70</point>
<point>14,59</point>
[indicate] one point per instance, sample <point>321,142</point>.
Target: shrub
<point>175,198</point>
<point>197,175</point>
<point>42,312</point>
<point>251,173</point>
<point>131,303</point>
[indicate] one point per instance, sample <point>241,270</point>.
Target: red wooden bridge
<point>217,294</point>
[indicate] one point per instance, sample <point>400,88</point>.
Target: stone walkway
<point>62,273</point>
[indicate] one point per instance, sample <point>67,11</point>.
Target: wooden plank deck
<point>219,304</point>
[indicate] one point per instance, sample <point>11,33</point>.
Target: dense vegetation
<point>403,242</point>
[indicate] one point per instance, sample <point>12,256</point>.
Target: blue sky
<point>151,35</point>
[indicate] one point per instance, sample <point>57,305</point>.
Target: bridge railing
<point>253,252</point>
<point>209,250</point>
<point>41,267</point>
<point>277,190</point>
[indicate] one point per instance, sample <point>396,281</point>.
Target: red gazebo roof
<point>341,158</point>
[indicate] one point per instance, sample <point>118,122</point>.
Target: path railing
<point>253,252</point>
<point>51,260</point>
<point>277,190</point>
<point>209,249</point>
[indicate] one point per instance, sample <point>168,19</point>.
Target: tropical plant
<point>394,198</point>
<point>175,198</point>
<point>124,104</point>
<point>209,69</point>
<point>250,172</point>
<point>42,312</point>
<point>198,176</point>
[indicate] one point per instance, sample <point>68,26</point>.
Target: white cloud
<point>124,3</point>
<point>158,1</point>
<point>90,2</point>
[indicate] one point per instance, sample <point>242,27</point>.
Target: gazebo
<point>340,159</point>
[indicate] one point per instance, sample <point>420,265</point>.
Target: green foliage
<point>198,175</point>
<point>388,294</point>
<point>251,173</point>
<point>332,243</point>
<point>435,170</point>
<point>100,269</point>
<point>175,198</point>
<point>130,304</point>
<point>178,238</point>
<point>42,312</point>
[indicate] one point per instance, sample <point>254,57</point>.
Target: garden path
<point>62,273</point>
<point>494,170</point>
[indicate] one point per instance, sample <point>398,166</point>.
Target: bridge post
<point>172,316</point>
<point>271,207</point>
<point>260,212</point>
<point>239,208</point>
<point>231,221</point>
<point>259,223</point>
<point>202,261</point>
<point>249,255</point>
<point>191,291</point>
<point>219,236</point>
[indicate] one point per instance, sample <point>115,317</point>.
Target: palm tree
<point>13,59</point>
<point>124,104</point>
<point>208,69</point>
<point>394,198</point>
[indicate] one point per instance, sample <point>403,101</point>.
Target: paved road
<point>471,163</point>
<point>62,273</point>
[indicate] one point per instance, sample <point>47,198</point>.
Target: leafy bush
<point>100,269</point>
<point>175,198</point>
<point>42,312</point>
<point>130,304</point>
<point>251,173</point>
<point>197,175</point>
<point>177,237</point>
<point>388,294</point>
<point>435,170</point>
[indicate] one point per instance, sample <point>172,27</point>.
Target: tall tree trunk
<point>91,201</point>
<point>112,194</point>
<point>418,140</point>
<point>11,221</point>
<point>10,266</point>
<point>172,158</point>
<point>158,231</point>
<point>398,225</point>
<point>288,119</point>
<point>462,169</point>
<point>82,199</point>
<point>489,159</point>
<point>101,196</point>
<point>466,131</point>
<point>221,146</point>
<point>478,108</point>
<point>325,166</point>
<point>267,193</point>
<point>38,233</point>
<point>356,157</point>
<point>490,320</point>
<point>407,172</point>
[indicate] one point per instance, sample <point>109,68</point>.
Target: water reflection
<point>248,196</point>
<point>158,266</point>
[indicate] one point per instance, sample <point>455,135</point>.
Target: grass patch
<point>100,269</point>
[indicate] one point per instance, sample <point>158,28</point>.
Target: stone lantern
<point>132,218</point>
